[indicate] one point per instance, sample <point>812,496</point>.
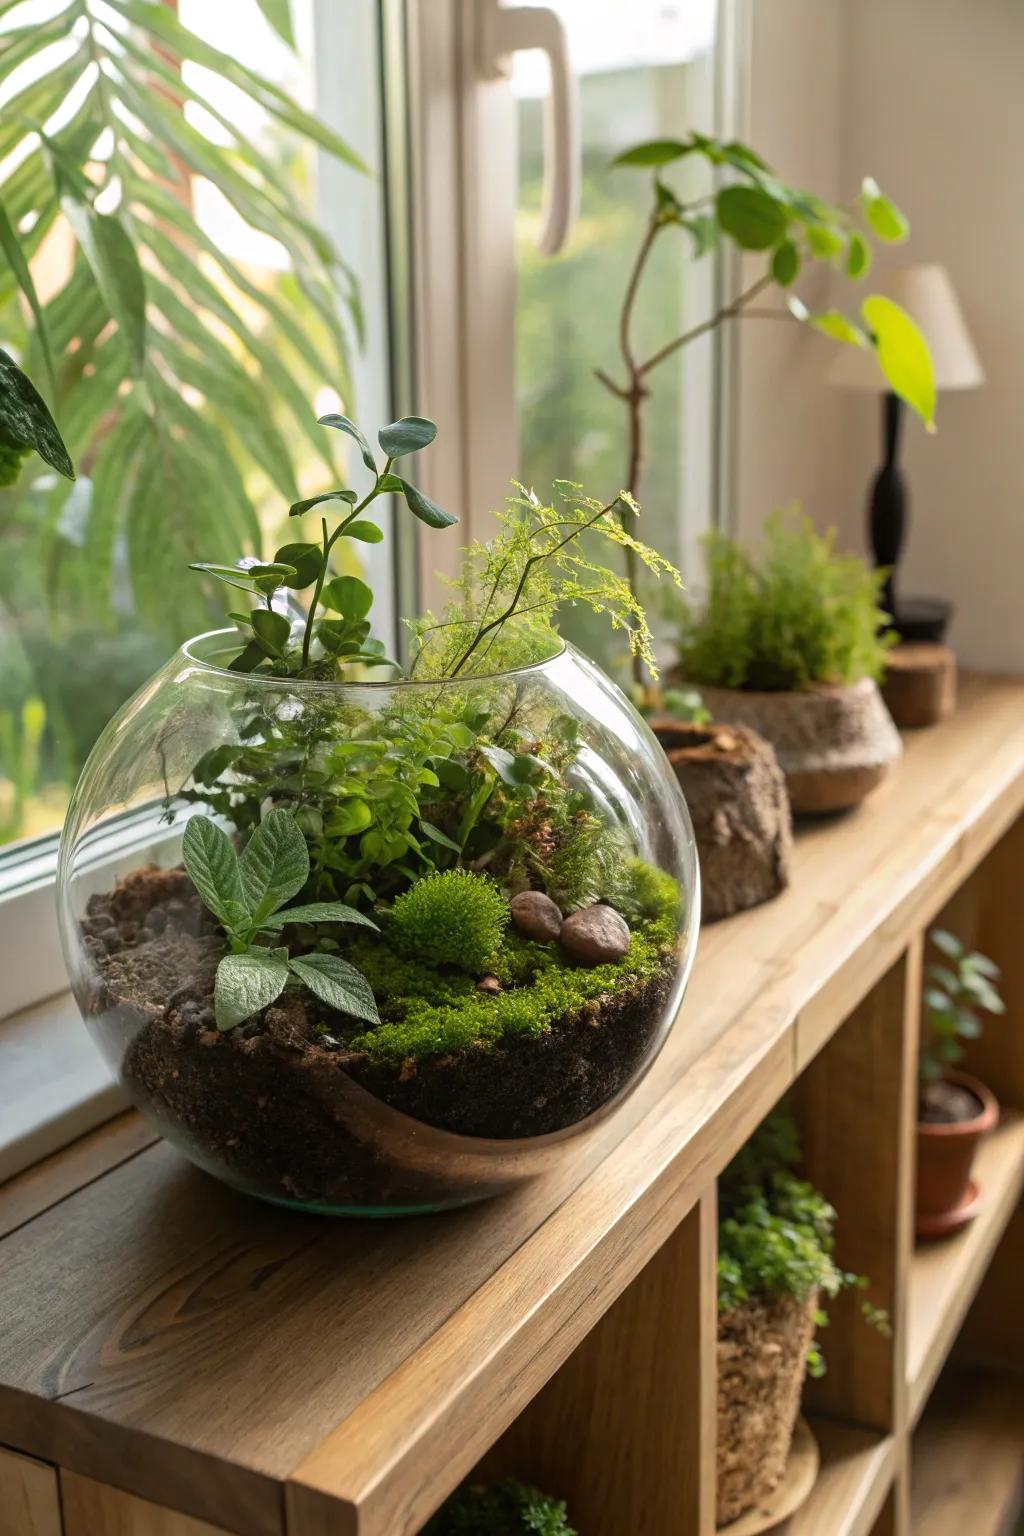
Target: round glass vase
<point>542,779</point>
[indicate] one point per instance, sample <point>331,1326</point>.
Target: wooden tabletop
<point>267,1371</point>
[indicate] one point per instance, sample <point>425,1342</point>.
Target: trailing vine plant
<point>792,229</point>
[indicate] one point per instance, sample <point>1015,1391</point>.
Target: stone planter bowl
<point>834,744</point>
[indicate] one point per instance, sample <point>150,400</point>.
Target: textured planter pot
<point>834,744</point>
<point>945,1156</point>
<point>762,1363</point>
<point>737,799</point>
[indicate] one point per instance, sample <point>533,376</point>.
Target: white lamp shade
<point>927,295</point>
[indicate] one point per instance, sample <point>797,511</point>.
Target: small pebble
<point>596,935</point>
<point>488,984</point>
<point>536,916</point>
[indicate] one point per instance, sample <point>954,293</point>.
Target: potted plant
<point>954,1110</point>
<point>775,1263</point>
<point>789,643</point>
<point>399,938</point>
<point>508,1508</point>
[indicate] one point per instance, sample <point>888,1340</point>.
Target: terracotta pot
<point>834,744</point>
<point>762,1363</point>
<point>945,1153</point>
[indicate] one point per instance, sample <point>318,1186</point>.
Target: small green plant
<point>452,917</point>
<point>247,896</point>
<point>26,424</point>
<point>793,614</point>
<point>777,1232</point>
<point>508,1508</point>
<point>956,993</point>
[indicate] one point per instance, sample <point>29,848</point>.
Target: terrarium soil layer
<point>270,1101</point>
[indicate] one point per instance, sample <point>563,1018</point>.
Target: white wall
<point>927,96</point>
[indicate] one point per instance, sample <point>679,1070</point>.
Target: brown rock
<point>536,916</point>
<point>596,935</point>
<point>488,984</point>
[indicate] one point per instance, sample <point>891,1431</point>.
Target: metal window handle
<point>505,30</point>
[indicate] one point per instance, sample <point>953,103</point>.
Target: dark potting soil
<point>945,1103</point>
<point>268,1099</point>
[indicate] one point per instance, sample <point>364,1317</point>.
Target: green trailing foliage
<point>791,614</point>
<point>508,1508</point>
<point>957,992</point>
<point>167,364</point>
<point>451,917</point>
<point>248,896</point>
<point>776,1233</point>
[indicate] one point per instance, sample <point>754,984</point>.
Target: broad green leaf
<point>115,266</point>
<point>279,15</point>
<point>426,510</point>
<point>408,435</point>
<point>831,322</point>
<point>349,596</point>
<point>655,152</point>
<point>343,424</point>
<point>25,420</point>
<point>785,263</point>
<point>307,559</point>
<point>272,629</point>
<point>245,984</point>
<point>337,984</point>
<point>704,232</point>
<point>300,508</point>
<point>946,942</point>
<point>903,355</point>
<point>349,817</point>
<point>318,912</point>
<point>366,533</point>
<point>825,241</point>
<point>274,866</point>
<point>752,218</point>
<point>742,156</point>
<point>11,246</point>
<point>858,256</point>
<point>212,866</point>
<point>882,215</point>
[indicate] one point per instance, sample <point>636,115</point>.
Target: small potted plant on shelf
<point>775,1263</point>
<point>789,643</point>
<point>954,1109</point>
<point>394,940</point>
<point>508,1508</point>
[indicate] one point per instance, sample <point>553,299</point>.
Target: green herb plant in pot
<point>789,642</point>
<point>775,1265</point>
<point>508,1508</point>
<point>368,937</point>
<point>955,1109</point>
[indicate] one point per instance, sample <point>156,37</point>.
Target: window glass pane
<point>646,70</point>
<point>79,632</point>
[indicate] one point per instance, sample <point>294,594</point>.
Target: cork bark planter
<point>946,1198</point>
<point>762,1364</point>
<point>834,744</point>
<point>740,811</point>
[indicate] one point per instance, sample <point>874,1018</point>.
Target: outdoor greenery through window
<point>157,171</point>
<point>646,71</point>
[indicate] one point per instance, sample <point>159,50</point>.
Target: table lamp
<point>927,295</point>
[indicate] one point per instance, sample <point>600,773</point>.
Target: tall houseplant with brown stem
<point>792,229</point>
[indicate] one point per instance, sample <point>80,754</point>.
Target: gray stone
<point>536,916</point>
<point>596,935</point>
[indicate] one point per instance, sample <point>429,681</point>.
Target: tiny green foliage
<point>956,993</point>
<point>508,590</point>
<point>787,616</point>
<point>776,1231</point>
<point>451,917</point>
<point>508,1508</point>
<point>247,896</point>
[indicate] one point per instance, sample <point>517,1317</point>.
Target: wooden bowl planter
<point>834,744</point>
<point>762,1363</point>
<point>920,684</point>
<point>737,799</point>
<point>946,1198</point>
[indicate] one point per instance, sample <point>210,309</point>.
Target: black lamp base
<point>922,618</point>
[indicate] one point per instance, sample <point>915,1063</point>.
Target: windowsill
<point>54,1085</point>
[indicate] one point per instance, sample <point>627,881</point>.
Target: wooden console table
<point>178,1361</point>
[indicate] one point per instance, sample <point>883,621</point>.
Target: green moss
<point>452,917</point>
<point>508,1508</point>
<point>428,1012</point>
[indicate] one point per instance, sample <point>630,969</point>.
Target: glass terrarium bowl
<point>547,780</point>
